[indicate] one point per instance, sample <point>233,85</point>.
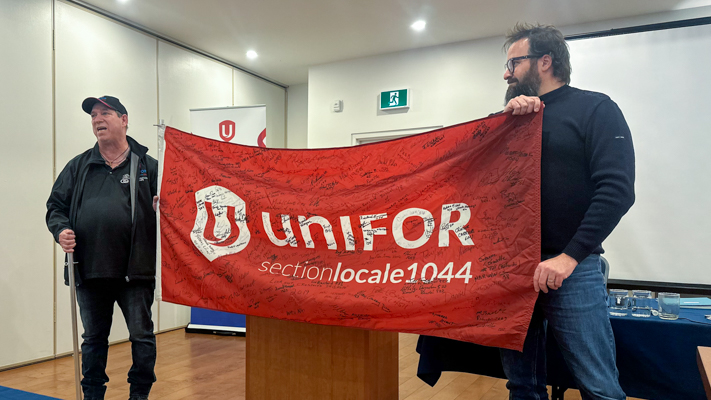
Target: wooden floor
<point>187,369</point>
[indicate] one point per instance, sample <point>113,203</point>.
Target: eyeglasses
<point>511,63</point>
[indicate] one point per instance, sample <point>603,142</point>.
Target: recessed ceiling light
<point>419,25</point>
<point>252,54</point>
<point>123,1</point>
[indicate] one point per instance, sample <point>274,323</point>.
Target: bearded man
<point>587,185</point>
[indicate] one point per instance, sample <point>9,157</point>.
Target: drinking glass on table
<point>641,303</point>
<point>669,304</point>
<point>618,302</point>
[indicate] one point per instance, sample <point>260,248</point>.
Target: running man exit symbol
<point>394,99</point>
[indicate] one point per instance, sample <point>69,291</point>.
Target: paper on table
<point>696,302</point>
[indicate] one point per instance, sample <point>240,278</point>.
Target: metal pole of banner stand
<point>75,334</point>
<point>161,149</point>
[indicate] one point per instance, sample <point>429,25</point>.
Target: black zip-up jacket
<point>62,208</point>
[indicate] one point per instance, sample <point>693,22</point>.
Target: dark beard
<point>527,86</point>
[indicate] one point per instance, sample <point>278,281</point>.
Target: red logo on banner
<point>436,234</point>
<point>227,130</point>
<point>260,139</point>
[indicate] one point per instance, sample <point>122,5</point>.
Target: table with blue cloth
<point>656,358</point>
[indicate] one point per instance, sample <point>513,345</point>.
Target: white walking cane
<point>75,335</point>
<point>161,149</point>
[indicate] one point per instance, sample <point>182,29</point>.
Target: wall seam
<point>54,178</point>
<point>286,118</point>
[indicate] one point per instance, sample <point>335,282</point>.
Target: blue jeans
<point>96,299</point>
<point>576,313</point>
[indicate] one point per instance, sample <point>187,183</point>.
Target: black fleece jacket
<point>64,201</point>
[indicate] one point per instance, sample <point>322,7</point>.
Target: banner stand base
<point>216,330</point>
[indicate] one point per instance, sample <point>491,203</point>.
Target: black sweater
<point>587,171</point>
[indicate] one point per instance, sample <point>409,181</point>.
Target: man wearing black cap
<point>102,209</point>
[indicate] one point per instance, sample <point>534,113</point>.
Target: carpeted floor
<point>12,394</point>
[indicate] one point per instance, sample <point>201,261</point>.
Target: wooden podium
<point>300,361</point>
<point>703,359</point>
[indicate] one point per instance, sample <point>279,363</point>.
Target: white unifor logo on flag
<point>221,223</point>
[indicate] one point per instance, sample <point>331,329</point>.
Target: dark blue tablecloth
<point>656,358</point>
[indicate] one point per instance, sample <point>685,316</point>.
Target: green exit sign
<point>395,99</point>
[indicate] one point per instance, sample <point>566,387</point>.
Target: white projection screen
<point>662,82</point>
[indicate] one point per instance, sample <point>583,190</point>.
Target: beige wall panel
<point>26,282</point>
<point>173,316</point>
<point>187,81</point>
<point>251,91</point>
<point>297,116</point>
<point>95,57</point>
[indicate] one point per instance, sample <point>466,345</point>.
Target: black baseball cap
<point>111,102</point>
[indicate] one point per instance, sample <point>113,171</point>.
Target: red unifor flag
<point>435,234</point>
